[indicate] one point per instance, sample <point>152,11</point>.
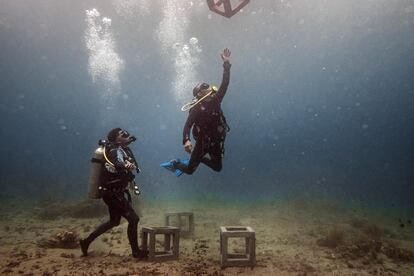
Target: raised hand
<point>225,56</point>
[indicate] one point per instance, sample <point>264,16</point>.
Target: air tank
<point>95,176</point>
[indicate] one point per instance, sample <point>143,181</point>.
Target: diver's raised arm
<point>225,56</point>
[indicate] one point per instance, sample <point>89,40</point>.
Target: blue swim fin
<point>179,172</point>
<point>169,166</point>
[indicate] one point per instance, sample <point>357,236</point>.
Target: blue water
<point>320,102</point>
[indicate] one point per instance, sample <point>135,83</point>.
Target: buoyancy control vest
<point>103,173</point>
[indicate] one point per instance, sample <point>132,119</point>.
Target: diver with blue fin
<point>208,124</point>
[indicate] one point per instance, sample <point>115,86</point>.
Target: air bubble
<point>193,41</point>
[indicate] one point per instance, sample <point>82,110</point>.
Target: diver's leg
<point>132,231</point>
<point>114,220</point>
<point>195,160</point>
<point>131,216</point>
<point>214,161</point>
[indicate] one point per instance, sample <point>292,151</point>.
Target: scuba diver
<point>208,125</point>
<point>117,173</point>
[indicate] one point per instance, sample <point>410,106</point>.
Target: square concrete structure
<point>235,259</point>
<point>171,234</point>
<point>186,229</point>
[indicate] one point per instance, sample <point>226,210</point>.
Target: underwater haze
<point>320,102</point>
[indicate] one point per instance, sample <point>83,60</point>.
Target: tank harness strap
<point>131,154</point>
<point>96,160</point>
<point>113,181</point>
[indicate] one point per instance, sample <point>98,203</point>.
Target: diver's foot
<point>140,254</point>
<point>174,163</point>
<point>84,247</point>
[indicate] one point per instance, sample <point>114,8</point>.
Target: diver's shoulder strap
<point>96,160</point>
<point>129,152</point>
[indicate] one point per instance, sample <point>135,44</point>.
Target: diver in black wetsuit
<point>208,123</point>
<point>115,194</point>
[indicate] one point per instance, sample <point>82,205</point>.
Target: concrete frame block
<point>170,233</point>
<point>231,259</point>
<point>190,217</point>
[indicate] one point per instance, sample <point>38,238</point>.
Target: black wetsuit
<point>116,195</point>
<point>209,129</point>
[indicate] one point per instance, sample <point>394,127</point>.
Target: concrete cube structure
<point>171,234</point>
<point>186,228</point>
<point>235,259</point>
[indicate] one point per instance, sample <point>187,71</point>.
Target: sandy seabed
<point>295,237</point>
